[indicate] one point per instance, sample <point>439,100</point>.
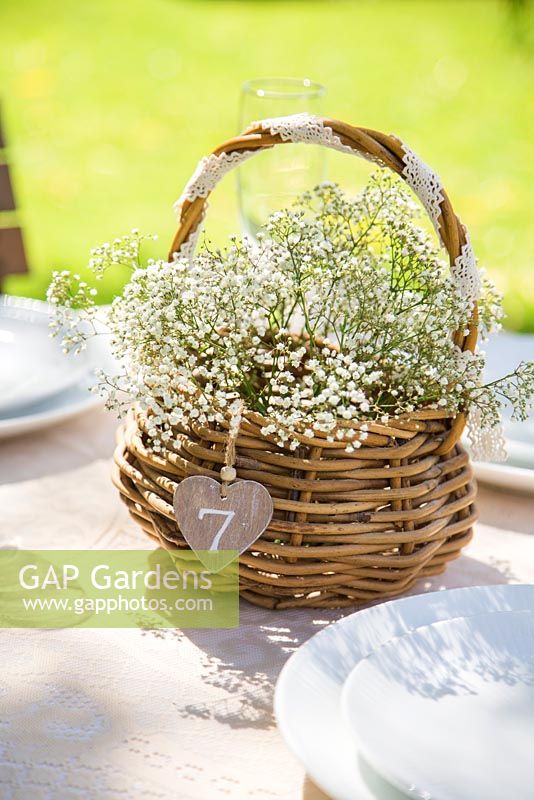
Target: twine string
<point>230,449</point>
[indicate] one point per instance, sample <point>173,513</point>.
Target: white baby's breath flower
<point>311,326</point>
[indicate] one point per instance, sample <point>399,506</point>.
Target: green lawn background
<point>108,105</point>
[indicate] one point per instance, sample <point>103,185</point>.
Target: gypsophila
<point>340,313</point>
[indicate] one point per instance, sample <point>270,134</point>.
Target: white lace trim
<point>187,249</point>
<point>428,187</point>
<point>486,444</point>
<point>210,170</point>
<point>305,129</point>
<point>466,272</point>
<point>425,183</point>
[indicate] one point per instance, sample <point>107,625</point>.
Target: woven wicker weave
<point>348,528</point>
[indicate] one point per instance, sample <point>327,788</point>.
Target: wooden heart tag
<point>209,522</point>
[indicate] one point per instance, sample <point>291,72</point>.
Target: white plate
<point>307,698</point>
<point>504,352</point>
<point>447,712</point>
<point>71,402</point>
<point>505,476</point>
<point>33,364</point>
<point>517,472</point>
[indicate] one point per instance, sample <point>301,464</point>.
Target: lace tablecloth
<point>169,714</point>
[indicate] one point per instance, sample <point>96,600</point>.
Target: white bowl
<point>447,712</point>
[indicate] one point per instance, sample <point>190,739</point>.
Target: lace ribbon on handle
<point>425,183</point>
<point>210,170</point>
<point>305,129</point>
<point>187,249</point>
<point>428,187</point>
<point>466,271</point>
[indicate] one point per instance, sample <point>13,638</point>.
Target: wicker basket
<point>348,528</point>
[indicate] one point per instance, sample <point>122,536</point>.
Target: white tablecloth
<point>169,714</point>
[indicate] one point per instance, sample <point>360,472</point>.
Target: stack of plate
<point>429,696</point>
<point>39,384</point>
<point>503,353</point>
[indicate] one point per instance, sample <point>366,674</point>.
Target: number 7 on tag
<point>203,512</point>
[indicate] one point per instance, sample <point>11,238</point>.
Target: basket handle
<point>384,149</point>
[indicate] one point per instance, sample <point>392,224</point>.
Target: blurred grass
<point>109,105</point>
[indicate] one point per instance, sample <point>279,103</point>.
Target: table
<point>163,714</point>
